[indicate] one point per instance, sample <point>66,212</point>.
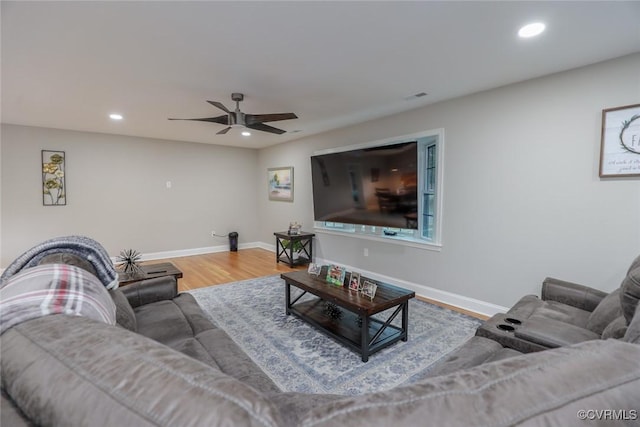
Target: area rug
<point>299,358</point>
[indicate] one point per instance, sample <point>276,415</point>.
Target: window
<point>429,192</point>
<point>429,210</point>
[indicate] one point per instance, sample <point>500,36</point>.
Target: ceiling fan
<point>238,119</point>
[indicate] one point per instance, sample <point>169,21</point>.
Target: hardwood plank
<point>200,271</point>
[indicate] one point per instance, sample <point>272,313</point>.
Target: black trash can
<point>233,241</point>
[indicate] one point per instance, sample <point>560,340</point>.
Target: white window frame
<point>412,238</point>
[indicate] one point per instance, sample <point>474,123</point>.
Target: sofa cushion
<point>192,347</point>
<point>162,321</point>
<point>475,351</point>
<point>235,362</point>
<point>552,333</point>
<point>531,305</point>
<point>630,294</point>
<point>193,313</point>
<point>616,329</point>
<point>125,316</point>
<point>563,313</point>
<point>171,321</point>
<point>71,371</point>
<point>608,310</point>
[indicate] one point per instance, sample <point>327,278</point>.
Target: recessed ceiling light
<point>531,30</point>
<point>246,133</point>
<point>115,116</point>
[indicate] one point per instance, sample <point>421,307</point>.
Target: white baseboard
<point>460,301</point>
<point>154,256</point>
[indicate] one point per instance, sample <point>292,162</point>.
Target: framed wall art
<point>54,189</point>
<point>620,145</point>
<point>280,184</point>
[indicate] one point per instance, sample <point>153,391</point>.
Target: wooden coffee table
<point>150,271</point>
<point>355,328</point>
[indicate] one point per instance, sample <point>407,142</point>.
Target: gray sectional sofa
<point>165,364</point>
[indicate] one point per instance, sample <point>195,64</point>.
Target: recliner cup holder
<point>506,328</point>
<point>512,321</point>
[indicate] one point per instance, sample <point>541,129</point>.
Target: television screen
<point>371,186</point>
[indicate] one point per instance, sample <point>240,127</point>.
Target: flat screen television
<point>371,186</point>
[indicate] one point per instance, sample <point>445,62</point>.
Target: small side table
<point>150,271</point>
<point>300,244</point>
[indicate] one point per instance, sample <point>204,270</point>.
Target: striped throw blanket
<point>81,246</point>
<point>54,289</point>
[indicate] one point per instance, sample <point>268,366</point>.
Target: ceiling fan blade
<point>223,131</point>
<point>261,118</point>
<point>265,128</point>
<point>219,105</point>
<point>223,120</point>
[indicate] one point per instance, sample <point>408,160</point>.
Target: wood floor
<point>200,271</point>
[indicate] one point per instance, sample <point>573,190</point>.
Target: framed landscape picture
<point>620,144</point>
<point>280,184</point>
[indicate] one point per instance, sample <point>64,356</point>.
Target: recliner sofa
<point>567,313</point>
<point>164,363</point>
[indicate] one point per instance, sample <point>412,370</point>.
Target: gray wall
<point>522,197</point>
<point>116,191</point>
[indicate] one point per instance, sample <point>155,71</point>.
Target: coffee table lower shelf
<point>348,329</point>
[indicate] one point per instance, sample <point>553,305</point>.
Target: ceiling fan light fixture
<point>238,119</point>
<point>531,30</point>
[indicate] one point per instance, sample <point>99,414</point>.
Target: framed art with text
<point>54,191</point>
<point>620,144</point>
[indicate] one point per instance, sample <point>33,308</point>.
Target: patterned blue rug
<point>299,358</point>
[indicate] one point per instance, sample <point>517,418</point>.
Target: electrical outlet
<point>213,233</point>
<point>366,251</point>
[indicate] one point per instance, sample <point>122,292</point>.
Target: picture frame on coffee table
<point>354,281</point>
<point>314,269</point>
<point>369,289</point>
<point>335,275</point>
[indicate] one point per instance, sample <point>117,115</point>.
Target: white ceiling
<point>69,64</point>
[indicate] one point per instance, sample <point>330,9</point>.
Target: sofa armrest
<point>572,294</point>
<point>151,290</point>
<point>552,333</point>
